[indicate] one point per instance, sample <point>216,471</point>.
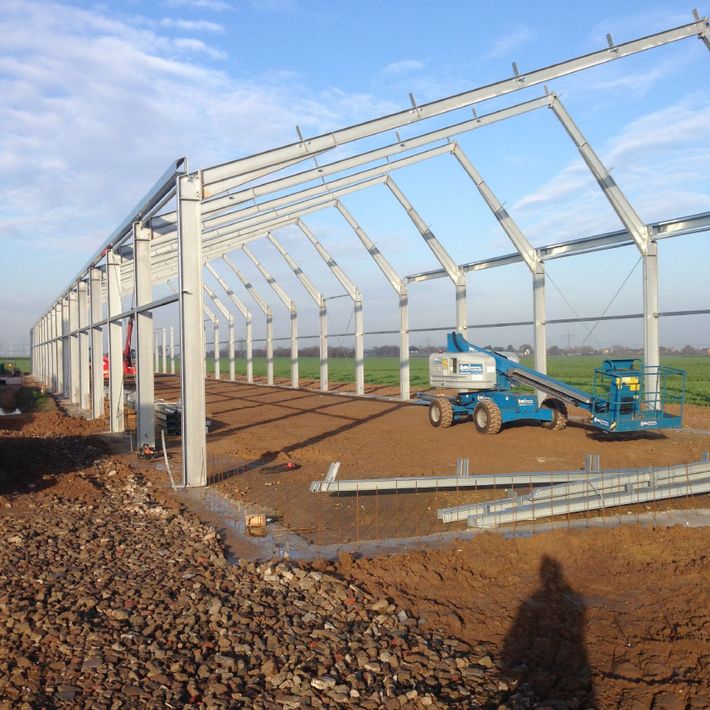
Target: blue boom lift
<point>621,400</point>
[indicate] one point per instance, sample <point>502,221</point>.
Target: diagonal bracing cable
<point>613,298</point>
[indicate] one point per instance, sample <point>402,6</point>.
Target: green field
<point>577,371</point>
<point>21,363</point>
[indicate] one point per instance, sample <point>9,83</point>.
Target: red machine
<point>129,369</point>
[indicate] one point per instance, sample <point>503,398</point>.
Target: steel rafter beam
<point>320,302</point>
<point>400,288</point>
<point>246,313</point>
<point>221,177</point>
<point>617,199</point>
<point>691,224</point>
<point>354,293</point>
<point>290,305</point>
<point>453,271</point>
<point>234,199</point>
<point>266,310</point>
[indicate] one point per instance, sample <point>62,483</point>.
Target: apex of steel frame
<point>188,220</point>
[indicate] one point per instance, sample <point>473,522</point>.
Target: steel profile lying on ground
<point>596,491</point>
<point>585,504</point>
<point>461,479</point>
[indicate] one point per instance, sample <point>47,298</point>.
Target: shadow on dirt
<point>611,437</point>
<point>29,463</point>
<point>545,648</point>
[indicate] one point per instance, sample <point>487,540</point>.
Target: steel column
<point>290,304</point>
<point>651,324</point>
<point>172,350</point>
<point>164,350</point>
<point>540,318</point>
<point>216,350</point>
<point>115,349</point>
<point>74,346</point>
<point>97,344</point>
<point>400,288</point>
<point>322,311</point>
<point>230,325</point>
<point>192,385</point>
<point>640,233</point>
<point>454,271</point>
<point>48,348</point>
<point>84,393</point>
<point>266,310</point>
<point>246,313</point>
<point>356,297</point>
<point>66,350</point>
<point>145,377</point>
<point>58,349</point>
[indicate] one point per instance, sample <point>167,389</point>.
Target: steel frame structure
<point>189,219</point>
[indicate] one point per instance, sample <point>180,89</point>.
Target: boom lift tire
<point>559,414</point>
<point>487,418</point>
<point>441,414</point>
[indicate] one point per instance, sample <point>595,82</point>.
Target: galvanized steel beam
<point>354,293</point>
<point>84,368</point>
<point>115,346</point>
<point>320,302</point>
<point>454,272</point>
<point>192,353</point>
<point>400,288</point>
<point>246,313</point>
<point>290,305</point>
<point>146,349</point>
<point>222,177</point>
<point>266,310</point>
<point>97,343</point>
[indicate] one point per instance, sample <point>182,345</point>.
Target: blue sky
<point>98,98</point>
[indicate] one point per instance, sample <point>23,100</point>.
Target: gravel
<point>125,601</point>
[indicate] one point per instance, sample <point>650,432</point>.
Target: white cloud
<point>615,81</point>
<point>404,66</point>
<point>503,47</point>
<point>197,46</point>
<point>94,109</point>
<point>217,5</point>
<point>661,162</point>
<point>191,25</point>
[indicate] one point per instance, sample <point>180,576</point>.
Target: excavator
<point>129,368</point>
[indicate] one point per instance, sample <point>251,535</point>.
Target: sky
<point>97,99</point>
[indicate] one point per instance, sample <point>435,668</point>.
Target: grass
<point>24,364</point>
<point>577,371</point>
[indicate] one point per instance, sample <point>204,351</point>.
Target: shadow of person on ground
<point>545,648</point>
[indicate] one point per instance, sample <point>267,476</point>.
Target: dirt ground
<point>627,608</point>
<point>266,427</point>
<point>606,618</point>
